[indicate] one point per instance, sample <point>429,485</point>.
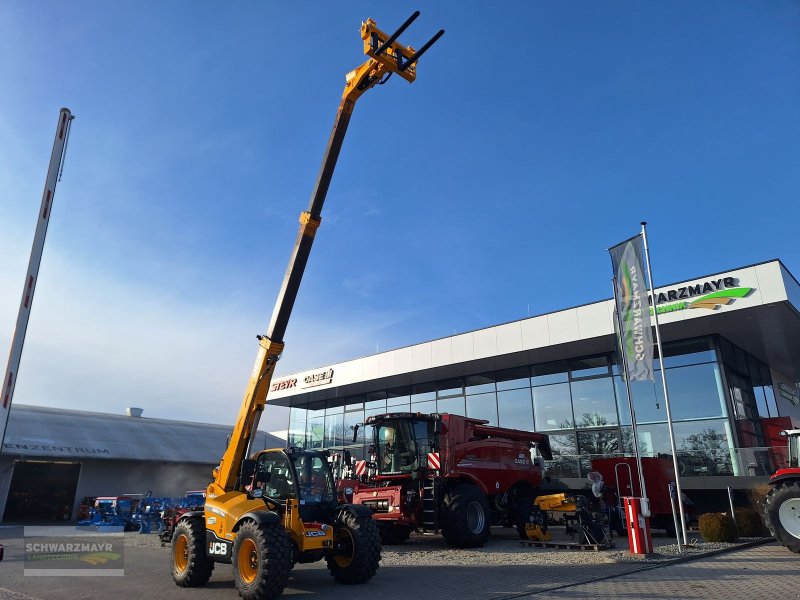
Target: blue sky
<point>536,135</point>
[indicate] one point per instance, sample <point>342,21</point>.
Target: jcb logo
<point>218,548</point>
<point>315,533</point>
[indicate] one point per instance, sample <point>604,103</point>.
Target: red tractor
<point>448,473</point>
<point>782,509</point>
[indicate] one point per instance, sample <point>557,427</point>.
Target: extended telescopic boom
<point>387,56</point>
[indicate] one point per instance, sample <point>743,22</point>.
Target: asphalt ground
<point>760,571</point>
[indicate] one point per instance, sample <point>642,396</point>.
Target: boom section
<point>386,56</point>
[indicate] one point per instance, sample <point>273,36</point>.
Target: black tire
<point>392,534</point>
<point>357,549</point>
<point>189,563</point>
<point>466,517</point>
<point>782,514</point>
<point>262,560</point>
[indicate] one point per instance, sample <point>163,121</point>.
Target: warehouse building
<point>54,459</point>
<point>731,359</point>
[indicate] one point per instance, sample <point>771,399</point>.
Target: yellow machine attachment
<point>536,527</point>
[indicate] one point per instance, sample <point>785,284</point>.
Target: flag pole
<point>624,375</point>
<point>9,381</point>
<point>664,382</point>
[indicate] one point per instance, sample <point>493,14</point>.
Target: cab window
<point>280,485</point>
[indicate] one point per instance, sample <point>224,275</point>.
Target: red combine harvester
<point>448,473</point>
<point>782,509</point>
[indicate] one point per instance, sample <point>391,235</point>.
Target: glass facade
<point>717,395</point>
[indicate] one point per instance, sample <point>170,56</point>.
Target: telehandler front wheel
<point>357,549</point>
<point>262,560</point>
<point>190,566</point>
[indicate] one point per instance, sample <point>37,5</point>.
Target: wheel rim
<point>475,517</point>
<point>180,554</point>
<point>347,547</point>
<point>789,515</point>
<point>248,561</point>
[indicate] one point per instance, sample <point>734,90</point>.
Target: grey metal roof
<point>35,431</point>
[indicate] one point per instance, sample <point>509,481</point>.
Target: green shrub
<point>717,527</point>
<point>748,522</point>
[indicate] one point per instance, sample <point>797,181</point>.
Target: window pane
<point>589,367</point>
<point>479,384</point>
<point>351,419</point>
<point>689,352</point>
<point>623,409</point>
<point>315,428</point>
<point>515,409</point>
<point>596,444</point>
<point>513,378</point>
<point>424,407</point>
<point>297,434</point>
<point>398,397</point>
<point>694,392</point>
<point>334,430</point>
<point>297,414</point>
<point>375,404</point>
<point>454,406</point>
<point>647,400</point>
<point>565,456</point>
<point>554,372</point>
<point>593,402</point>
<point>771,405</point>
<point>451,387</point>
<point>599,443</point>
<point>552,407</point>
<point>423,391</point>
<point>483,406</point>
<point>703,448</point>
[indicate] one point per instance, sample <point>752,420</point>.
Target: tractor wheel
<point>392,535</point>
<point>357,549</point>
<point>466,517</point>
<point>262,560</point>
<point>782,514</point>
<point>190,565</point>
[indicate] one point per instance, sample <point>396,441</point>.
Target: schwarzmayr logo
<point>710,295</point>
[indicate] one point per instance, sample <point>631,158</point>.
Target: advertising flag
<point>636,336</point>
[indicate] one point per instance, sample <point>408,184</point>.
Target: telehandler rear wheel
<point>262,560</point>
<point>190,565</point>
<point>782,512</point>
<point>357,550</point>
<point>466,517</point>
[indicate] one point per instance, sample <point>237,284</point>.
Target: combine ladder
<point>430,505</point>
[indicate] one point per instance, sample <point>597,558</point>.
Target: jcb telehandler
<point>266,512</point>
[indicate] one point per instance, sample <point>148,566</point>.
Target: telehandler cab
<point>265,513</point>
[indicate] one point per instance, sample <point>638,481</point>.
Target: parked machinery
<point>265,512</point>
<point>448,473</point>
<point>620,478</point>
<point>532,519</point>
<point>782,508</point>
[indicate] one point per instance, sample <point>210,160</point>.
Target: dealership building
<point>731,361</point>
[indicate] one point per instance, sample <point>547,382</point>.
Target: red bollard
<point>639,539</point>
